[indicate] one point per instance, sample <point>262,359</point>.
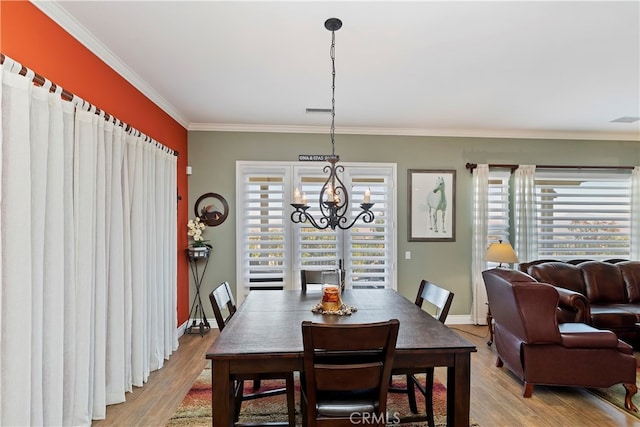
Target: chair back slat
<point>441,298</point>
<point>317,277</point>
<point>222,300</point>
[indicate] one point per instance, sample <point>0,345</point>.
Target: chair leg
<point>291,400</point>
<point>528,389</point>
<point>428,397</point>
<point>237,401</point>
<point>411,393</point>
<point>631,389</point>
<point>256,385</point>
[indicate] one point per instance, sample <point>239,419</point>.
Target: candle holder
<point>331,300</point>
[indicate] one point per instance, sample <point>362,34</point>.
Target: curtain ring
<point>30,74</point>
<point>47,85</point>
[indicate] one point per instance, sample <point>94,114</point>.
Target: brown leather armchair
<point>538,350</point>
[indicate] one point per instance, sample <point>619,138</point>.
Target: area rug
<point>195,409</point>
<point>616,393</point>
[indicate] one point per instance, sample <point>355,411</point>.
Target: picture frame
<point>429,191</point>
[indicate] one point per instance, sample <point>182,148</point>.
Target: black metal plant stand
<point>197,256</point>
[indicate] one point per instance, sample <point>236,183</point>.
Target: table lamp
<point>501,252</point>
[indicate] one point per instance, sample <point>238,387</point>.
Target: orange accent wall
<point>30,37</point>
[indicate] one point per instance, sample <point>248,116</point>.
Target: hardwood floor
<point>155,403</point>
<point>496,395</point>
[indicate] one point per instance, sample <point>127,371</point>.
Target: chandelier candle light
<point>333,199</point>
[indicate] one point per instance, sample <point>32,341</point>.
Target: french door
<point>271,249</point>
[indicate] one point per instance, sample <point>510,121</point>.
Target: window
<point>272,249</point>
<point>579,213</point>
<point>583,214</point>
<point>498,206</point>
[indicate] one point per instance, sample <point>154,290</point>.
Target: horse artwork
<point>432,205</point>
<point>437,202</point>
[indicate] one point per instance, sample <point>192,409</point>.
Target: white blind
<point>317,249</point>
<point>370,248</point>
<point>272,250</point>
<point>583,214</point>
<point>499,217</point>
<point>262,218</point>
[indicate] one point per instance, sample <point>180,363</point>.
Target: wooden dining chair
<point>315,277</point>
<point>346,375</point>
<point>224,307</point>
<point>441,299</point>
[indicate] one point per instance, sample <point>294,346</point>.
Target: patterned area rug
<point>195,409</point>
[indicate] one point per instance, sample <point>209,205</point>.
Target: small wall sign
<point>315,157</point>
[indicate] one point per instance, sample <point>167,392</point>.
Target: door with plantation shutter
<point>271,249</point>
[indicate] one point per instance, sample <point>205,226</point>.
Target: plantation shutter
<point>316,249</point>
<point>271,249</point>
<point>583,214</point>
<point>370,248</point>
<point>263,220</point>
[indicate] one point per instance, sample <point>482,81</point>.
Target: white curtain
<point>526,230</point>
<point>88,244</point>
<point>479,242</point>
<point>635,214</point>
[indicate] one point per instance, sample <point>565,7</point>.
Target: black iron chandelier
<point>334,198</point>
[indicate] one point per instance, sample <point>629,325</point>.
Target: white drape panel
<point>526,229</point>
<point>479,242</point>
<point>88,243</point>
<point>635,214</point>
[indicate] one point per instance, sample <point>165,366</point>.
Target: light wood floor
<point>496,395</point>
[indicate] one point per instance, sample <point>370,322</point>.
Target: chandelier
<point>334,198</point>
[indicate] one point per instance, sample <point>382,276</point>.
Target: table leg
<point>222,392</point>
<point>458,391</point>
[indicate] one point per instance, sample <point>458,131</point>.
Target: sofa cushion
<point>559,274</point>
<point>634,309</point>
<point>631,277</point>
<point>612,316</point>
<point>580,335</point>
<point>603,282</point>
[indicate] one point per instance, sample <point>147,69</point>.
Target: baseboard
<point>459,319</point>
<point>183,327</point>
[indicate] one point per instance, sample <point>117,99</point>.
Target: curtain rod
<point>472,166</point>
<point>39,80</point>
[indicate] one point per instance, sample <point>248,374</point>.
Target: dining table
<point>265,336</point>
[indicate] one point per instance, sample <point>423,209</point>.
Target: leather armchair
<point>535,347</point>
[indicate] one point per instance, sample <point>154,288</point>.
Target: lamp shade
<point>501,252</point>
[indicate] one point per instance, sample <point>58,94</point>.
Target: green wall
<point>212,155</point>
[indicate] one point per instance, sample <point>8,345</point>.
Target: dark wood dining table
<point>265,336</point>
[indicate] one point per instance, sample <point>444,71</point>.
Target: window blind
<point>583,214</point>
<point>272,250</point>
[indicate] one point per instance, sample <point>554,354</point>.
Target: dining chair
<point>317,277</point>
<point>224,307</point>
<point>346,374</point>
<point>441,299</point>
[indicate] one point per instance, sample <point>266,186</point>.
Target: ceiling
<point>538,69</point>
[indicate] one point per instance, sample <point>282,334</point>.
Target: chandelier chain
<point>332,52</point>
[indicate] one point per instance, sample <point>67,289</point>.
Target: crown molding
<point>452,133</point>
<point>61,17</point>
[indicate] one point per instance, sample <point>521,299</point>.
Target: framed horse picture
<point>432,205</point>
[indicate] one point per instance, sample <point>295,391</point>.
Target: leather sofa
<point>603,294</point>
<point>537,349</point>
